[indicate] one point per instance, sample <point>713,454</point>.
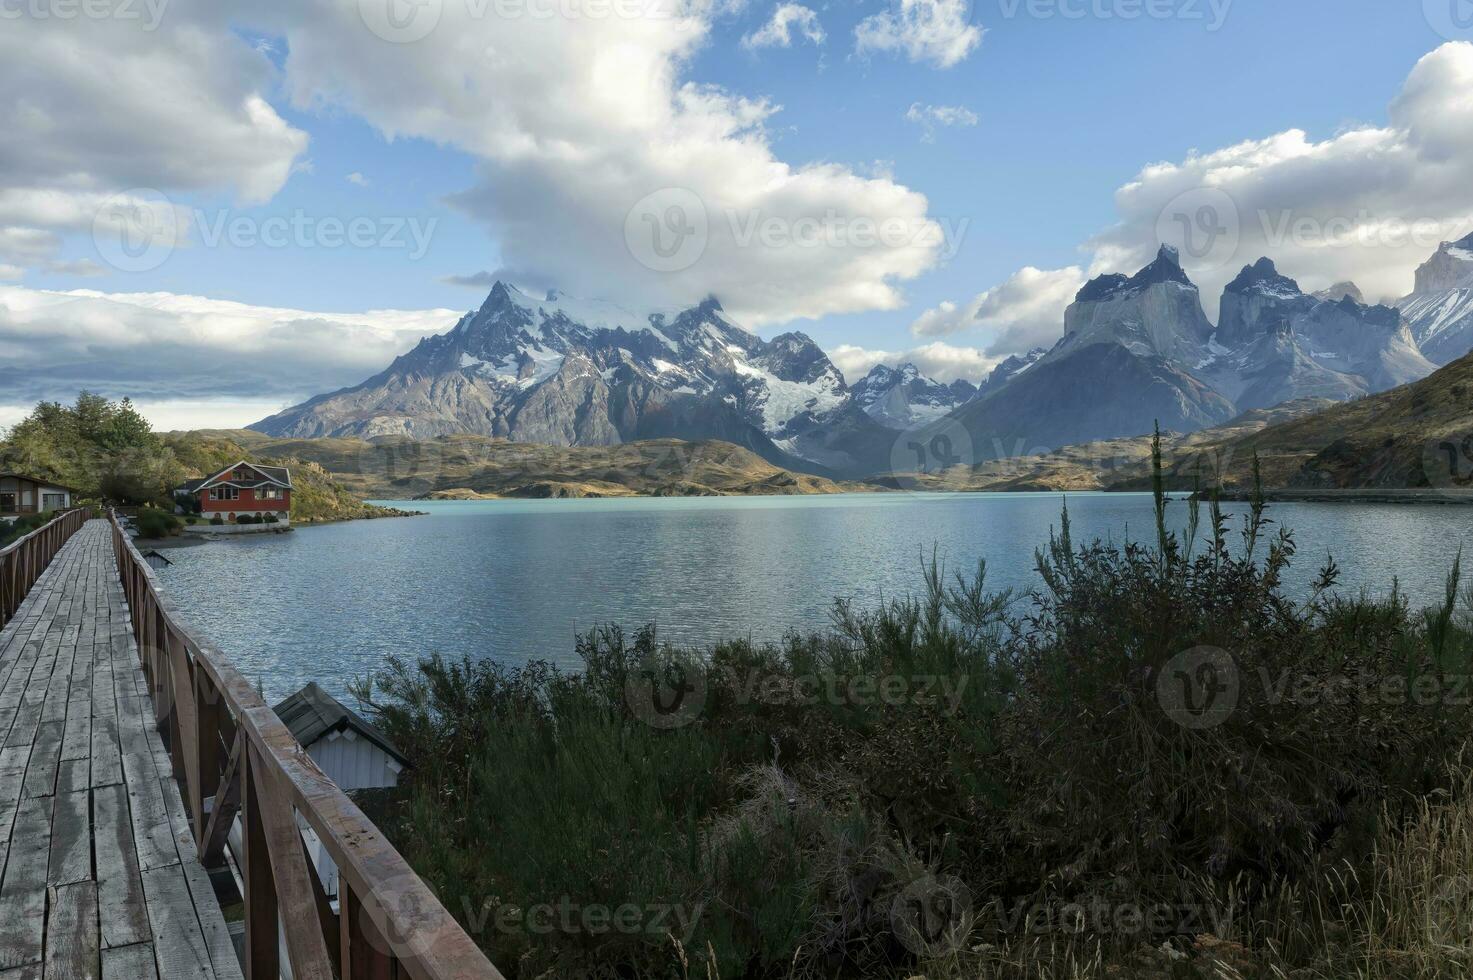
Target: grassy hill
<point>317,494</point>
<point>470,467</point>
<point>1413,437</point>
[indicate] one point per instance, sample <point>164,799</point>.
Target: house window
<point>224,493</point>
<point>53,501</point>
<point>240,476</point>
<point>270,493</point>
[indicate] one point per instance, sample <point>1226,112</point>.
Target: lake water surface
<point>515,579</point>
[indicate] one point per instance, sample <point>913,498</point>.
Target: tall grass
<point>964,783</point>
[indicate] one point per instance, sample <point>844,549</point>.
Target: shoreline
<point>1452,498</point>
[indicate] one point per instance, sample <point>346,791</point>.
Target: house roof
<point>189,486</point>
<point>312,714</point>
<point>41,481</point>
<point>278,475</point>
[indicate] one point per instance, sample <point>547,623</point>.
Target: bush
<point>1050,763</point>
<point>155,523</point>
<point>269,519</point>
<point>245,519</point>
<point>217,520</point>
<point>12,531</point>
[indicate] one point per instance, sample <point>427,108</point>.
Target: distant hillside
<point>316,494</point>
<point>1417,436</point>
<point>1100,465</point>
<point>468,466</point>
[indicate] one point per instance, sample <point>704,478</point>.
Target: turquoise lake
<point>516,580</point>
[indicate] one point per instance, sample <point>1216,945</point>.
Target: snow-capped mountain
<point>1139,350</point>
<point>1275,343</point>
<point>567,372</point>
<point>1009,369</point>
<point>900,398</point>
<point>1440,309</point>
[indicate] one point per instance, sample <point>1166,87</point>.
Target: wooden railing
<point>23,561</point>
<point>233,757</point>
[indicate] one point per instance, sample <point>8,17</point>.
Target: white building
<point>353,753</point>
<point>21,495</point>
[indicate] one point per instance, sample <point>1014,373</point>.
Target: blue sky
<point>1067,111</point>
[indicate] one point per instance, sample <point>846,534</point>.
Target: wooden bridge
<point>130,751</point>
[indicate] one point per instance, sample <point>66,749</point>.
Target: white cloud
<point>935,31</point>
<point>1369,204</point>
<point>165,347</point>
<point>778,32</point>
<point>578,122</point>
<point>357,179</point>
<point>929,117</point>
<point>1024,312</point>
<point>938,360</point>
<point>100,105</point>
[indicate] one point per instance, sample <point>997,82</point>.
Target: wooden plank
<point>23,893</point>
<point>71,933</point>
<point>179,944</point>
<point>72,776</point>
<point>129,963</point>
<point>71,839</point>
<point>121,911</point>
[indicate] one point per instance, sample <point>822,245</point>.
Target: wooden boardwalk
<point>99,874</point>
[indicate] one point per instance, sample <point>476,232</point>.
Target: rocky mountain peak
<point>1264,276</point>
<point>1340,291</point>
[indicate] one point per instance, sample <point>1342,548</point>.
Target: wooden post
<point>261,949</point>
<point>206,750</point>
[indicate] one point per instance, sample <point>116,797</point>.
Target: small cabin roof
<point>38,480</point>
<point>279,475</point>
<point>312,714</point>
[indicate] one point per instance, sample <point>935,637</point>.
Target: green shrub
<point>12,531</point>
<point>217,520</point>
<point>269,519</point>
<point>1048,764</point>
<point>245,519</point>
<point>155,523</point>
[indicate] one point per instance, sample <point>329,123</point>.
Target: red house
<point>243,488</point>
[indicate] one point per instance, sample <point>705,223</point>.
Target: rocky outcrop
<point>1440,310</point>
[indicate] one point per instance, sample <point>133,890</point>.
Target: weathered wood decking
<point>99,874</point>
